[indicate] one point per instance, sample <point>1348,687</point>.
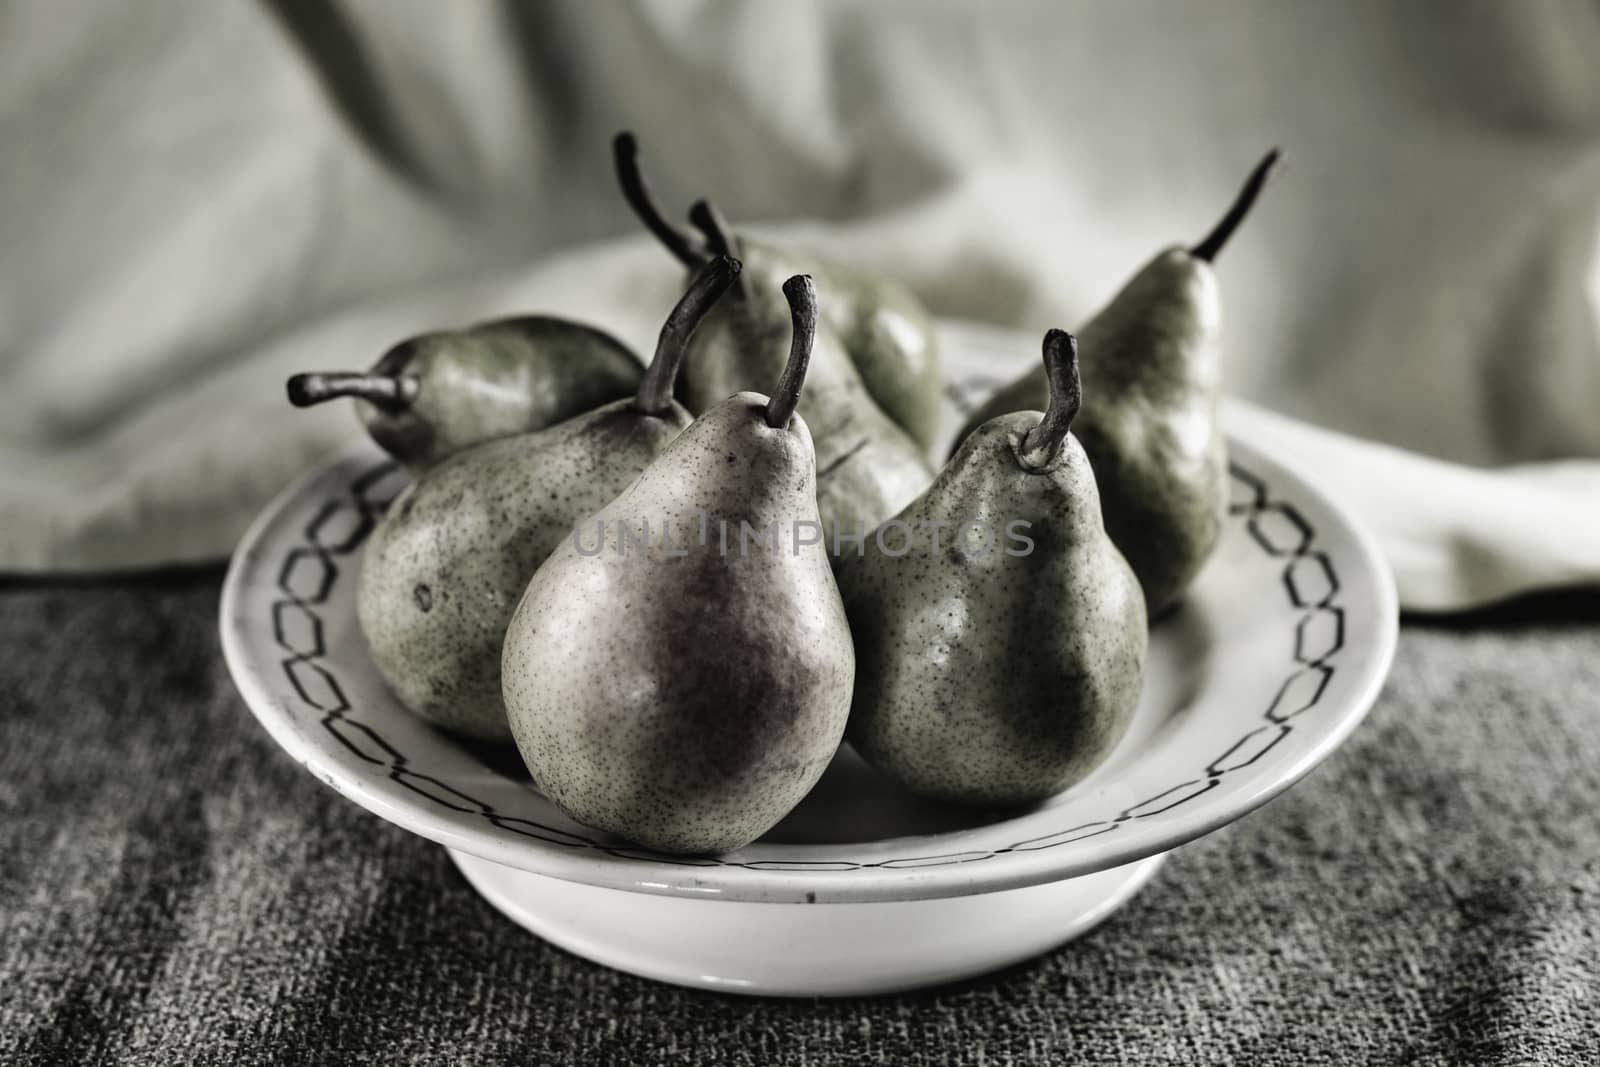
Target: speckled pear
<point>1000,636</point>
<point>1152,357</point>
<point>443,571</point>
<point>685,694</point>
<point>435,394</point>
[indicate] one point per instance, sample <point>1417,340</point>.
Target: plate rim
<point>632,869</point>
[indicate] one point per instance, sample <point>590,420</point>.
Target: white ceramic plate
<point>1274,657</point>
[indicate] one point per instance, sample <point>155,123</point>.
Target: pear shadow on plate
<point>852,803</point>
<point>499,757</point>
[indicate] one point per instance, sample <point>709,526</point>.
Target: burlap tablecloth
<point>174,889</point>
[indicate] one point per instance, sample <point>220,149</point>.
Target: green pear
<point>890,338</point>
<point>435,394</point>
<point>444,569</point>
<point>1152,355</point>
<point>686,693</point>
<point>1000,636</point>
<point>867,467</point>
<point>883,328</point>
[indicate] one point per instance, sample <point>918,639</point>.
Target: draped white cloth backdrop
<point>198,199</point>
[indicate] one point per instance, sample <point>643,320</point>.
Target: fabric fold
<point>197,202</point>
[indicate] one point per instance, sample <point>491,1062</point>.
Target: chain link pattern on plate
<point>338,527</point>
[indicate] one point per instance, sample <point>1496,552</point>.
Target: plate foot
<point>804,950</point>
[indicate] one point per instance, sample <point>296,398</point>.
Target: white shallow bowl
<point>1271,661</point>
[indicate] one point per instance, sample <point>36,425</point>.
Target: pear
<point>435,394</point>
<point>889,336</point>
<point>1000,636</point>
<point>867,467</point>
<point>685,694</point>
<point>443,571</point>
<point>882,327</point>
<point>1152,354</point>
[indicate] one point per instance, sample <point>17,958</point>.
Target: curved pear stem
<point>709,221</point>
<point>1042,444</point>
<point>718,234</point>
<point>625,156</point>
<point>1208,248</point>
<point>712,280</point>
<point>389,393</point>
<point>801,293</point>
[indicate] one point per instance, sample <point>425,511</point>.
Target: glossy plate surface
<point>1272,660</point>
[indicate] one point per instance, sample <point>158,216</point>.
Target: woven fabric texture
<point>174,889</point>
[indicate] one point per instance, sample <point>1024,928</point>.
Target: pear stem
<point>712,280</point>
<point>718,234</point>
<point>801,293</point>
<point>390,394</point>
<point>1042,444</point>
<point>1208,248</point>
<point>636,191</point>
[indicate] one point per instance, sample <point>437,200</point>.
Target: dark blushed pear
<point>443,571</point>
<point>432,395</point>
<point>1000,636</point>
<point>686,694</point>
<point>1152,358</point>
<point>881,326</point>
